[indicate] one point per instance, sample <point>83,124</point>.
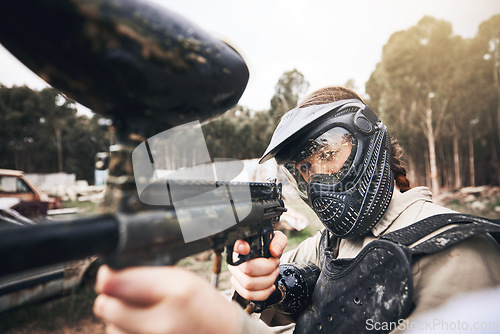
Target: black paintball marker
<point>148,70</point>
<point>143,237</point>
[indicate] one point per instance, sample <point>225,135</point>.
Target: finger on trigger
<point>257,295</point>
<point>256,283</point>
<point>278,244</point>
<point>241,247</point>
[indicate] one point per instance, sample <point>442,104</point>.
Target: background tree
<point>42,133</point>
<point>487,42</point>
<point>438,93</point>
<point>243,134</point>
<point>57,114</point>
<point>289,89</point>
<point>18,115</point>
<point>415,82</point>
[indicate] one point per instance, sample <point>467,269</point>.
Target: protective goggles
<point>326,159</point>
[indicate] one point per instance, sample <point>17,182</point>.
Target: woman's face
<point>329,158</point>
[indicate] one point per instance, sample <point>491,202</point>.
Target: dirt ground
<point>481,201</point>
<point>72,313</point>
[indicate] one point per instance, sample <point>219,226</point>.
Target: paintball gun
<point>147,69</point>
<point>142,237</point>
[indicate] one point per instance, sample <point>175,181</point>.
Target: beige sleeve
<point>307,251</point>
<point>250,325</point>
<point>471,265</point>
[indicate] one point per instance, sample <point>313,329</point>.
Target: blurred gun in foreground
<point>147,69</point>
<point>147,237</point>
<point>143,66</point>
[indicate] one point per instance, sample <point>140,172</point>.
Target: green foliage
<point>428,68</point>
<point>423,67</point>
<point>243,134</point>
<point>295,238</point>
<point>42,133</point>
<point>287,92</point>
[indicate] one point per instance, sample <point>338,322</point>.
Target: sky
<point>328,41</point>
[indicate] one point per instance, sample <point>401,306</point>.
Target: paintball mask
<point>337,156</point>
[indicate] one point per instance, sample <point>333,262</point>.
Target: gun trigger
<point>229,256</point>
<point>267,237</point>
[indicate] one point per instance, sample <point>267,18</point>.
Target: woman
<point>339,156</point>
<point>337,152</point>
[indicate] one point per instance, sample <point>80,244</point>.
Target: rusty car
<point>37,284</point>
<point>33,202</point>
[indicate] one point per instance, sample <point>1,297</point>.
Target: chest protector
<point>352,295</point>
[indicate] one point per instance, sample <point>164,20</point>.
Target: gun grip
<point>267,235</point>
<point>259,247</point>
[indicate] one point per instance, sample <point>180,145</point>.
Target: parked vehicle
<point>33,202</point>
<point>33,285</point>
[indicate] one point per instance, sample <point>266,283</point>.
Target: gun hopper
<point>142,65</point>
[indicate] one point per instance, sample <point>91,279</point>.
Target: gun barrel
<point>152,237</point>
<point>24,248</point>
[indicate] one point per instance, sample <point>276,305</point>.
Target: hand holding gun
<point>147,69</point>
